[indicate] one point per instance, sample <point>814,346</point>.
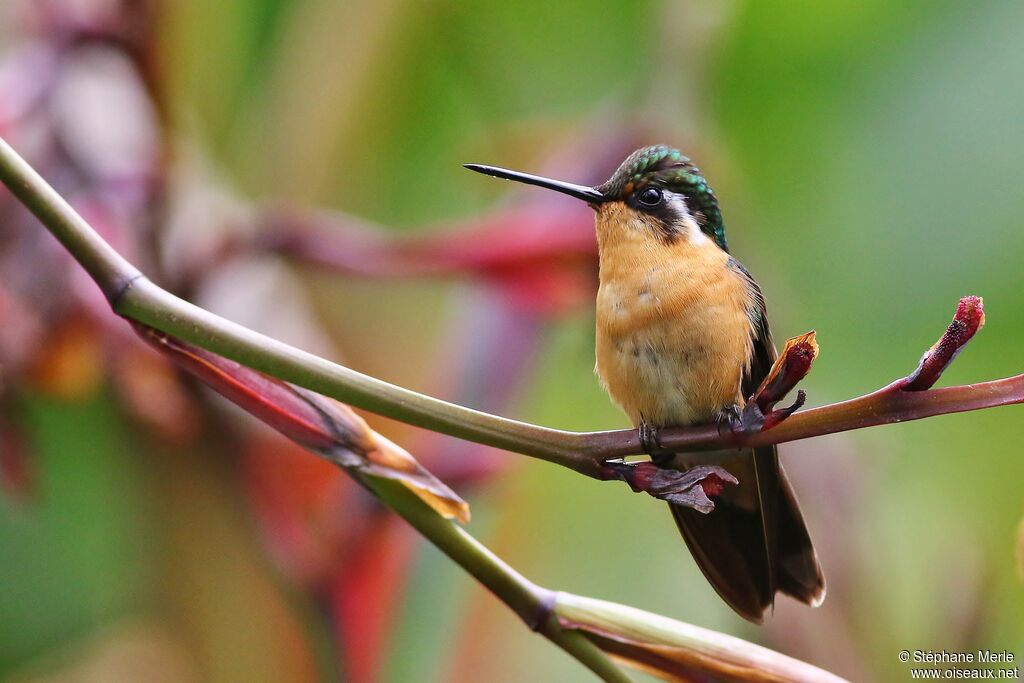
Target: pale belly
<point>673,356</point>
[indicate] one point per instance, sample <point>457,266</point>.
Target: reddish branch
<point>906,399</point>
<point>909,398</point>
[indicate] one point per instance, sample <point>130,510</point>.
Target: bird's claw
<point>649,438</point>
<point>733,420</point>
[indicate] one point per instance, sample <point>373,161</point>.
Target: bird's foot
<point>733,420</point>
<point>649,439</point>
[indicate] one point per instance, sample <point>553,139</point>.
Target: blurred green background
<point>866,156</point>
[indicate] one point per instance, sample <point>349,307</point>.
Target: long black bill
<point>587,194</point>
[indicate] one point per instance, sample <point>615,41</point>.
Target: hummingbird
<point>682,339</point>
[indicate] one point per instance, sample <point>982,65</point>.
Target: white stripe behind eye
<point>694,234</point>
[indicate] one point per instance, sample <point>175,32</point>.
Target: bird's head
<point>656,190</point>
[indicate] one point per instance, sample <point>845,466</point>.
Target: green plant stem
<point>109,269</point>
<point>133,296</point>
<point>532,603</point>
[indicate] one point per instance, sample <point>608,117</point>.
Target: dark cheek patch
<point>665,220</point>
<point>662,219</point>
<point>660,223</point>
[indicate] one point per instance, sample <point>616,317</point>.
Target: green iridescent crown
<point>666,167</point>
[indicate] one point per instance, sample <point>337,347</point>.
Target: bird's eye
<point>650,197</point>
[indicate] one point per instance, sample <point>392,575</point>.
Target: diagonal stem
<point>531,602</point>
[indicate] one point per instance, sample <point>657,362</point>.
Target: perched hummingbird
<point>683,339</point>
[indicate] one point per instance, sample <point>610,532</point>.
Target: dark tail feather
<point>797,569</point>
<point>755,541</point>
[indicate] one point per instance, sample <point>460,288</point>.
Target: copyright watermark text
<point>968,664</point>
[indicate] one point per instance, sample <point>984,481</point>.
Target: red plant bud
<point>969,318</point>
<point>789,368</point>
